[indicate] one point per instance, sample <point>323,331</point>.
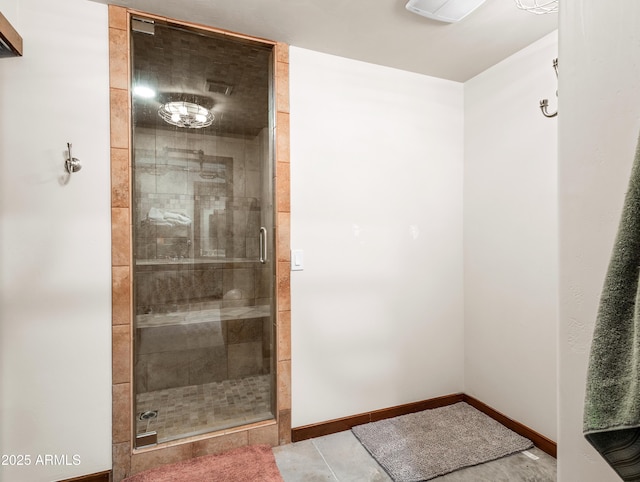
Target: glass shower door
<point>202,226</point>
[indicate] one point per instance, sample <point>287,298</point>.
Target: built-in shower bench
<point>210,345</point>
<point>208,315</point>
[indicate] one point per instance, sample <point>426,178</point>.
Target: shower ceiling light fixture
<point>538,7</point>
<point>185,114</point>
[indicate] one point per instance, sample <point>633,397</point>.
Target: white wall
<point>510,237</point>
<point>55,283</point>
<point>9,8</point>
<point>377,169</point>
<point>598,127</point>
<point>376,204</point>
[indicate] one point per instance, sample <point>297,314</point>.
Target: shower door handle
<point>263,245</point>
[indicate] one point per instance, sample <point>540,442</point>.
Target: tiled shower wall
<point>191,272</point>
<point>183,264</point>
<point>201,321</point>
<point>169,177</point>
<point>189,285</point>
<point>208,350</point>
<point>126,459</point>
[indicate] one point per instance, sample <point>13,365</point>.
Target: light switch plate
<point>297,260</point>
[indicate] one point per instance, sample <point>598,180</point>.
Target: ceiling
<point>381,32</point>
<point>224,74</point>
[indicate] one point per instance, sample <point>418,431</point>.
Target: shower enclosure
<point>202,225</point>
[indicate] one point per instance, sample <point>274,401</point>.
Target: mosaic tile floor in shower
<point>196,409</point>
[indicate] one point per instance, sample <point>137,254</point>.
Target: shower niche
<point>202,226</point>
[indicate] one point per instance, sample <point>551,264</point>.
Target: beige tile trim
<point>282,202</point>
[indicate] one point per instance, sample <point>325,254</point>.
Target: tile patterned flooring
<point>197,409</point>
<point>340,457</point>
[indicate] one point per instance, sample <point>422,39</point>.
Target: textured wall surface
<point>55,279</point>
<point>598,128</point>
<point>376,204</point>
<point>510,237</point>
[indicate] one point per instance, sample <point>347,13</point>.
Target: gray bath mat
<point>424,445</point>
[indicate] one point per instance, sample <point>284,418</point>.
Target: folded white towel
<point>162,217</point>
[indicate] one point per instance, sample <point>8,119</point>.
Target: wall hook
<point>71,164</point>
<point>544,103</point>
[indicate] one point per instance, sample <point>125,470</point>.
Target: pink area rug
<point>254,463</point>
